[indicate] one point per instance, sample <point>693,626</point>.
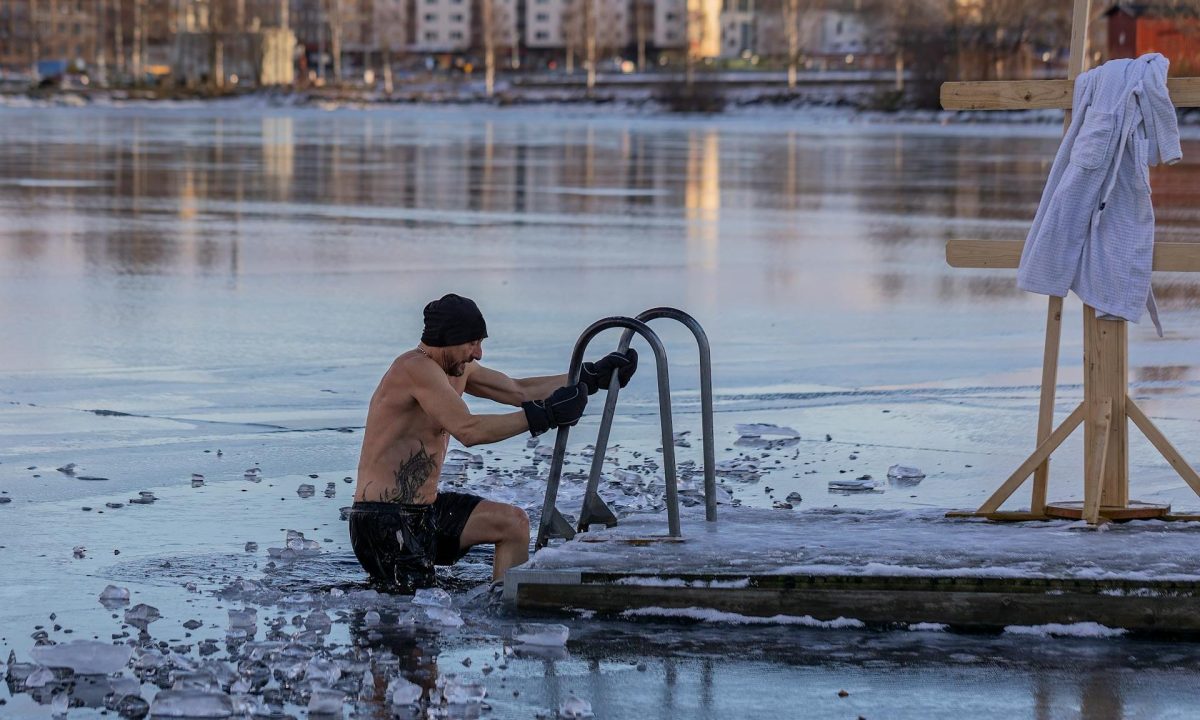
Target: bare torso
<point>403,447</point>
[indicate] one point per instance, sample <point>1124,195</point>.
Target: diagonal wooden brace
<point>1039,456</point>
<point>1162,444</point>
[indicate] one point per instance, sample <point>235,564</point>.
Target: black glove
<point>597,375</point>
<point>564,407</point>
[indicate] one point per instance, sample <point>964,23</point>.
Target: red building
<point>1137,28</point>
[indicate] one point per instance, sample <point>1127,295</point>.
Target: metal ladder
<point>595,510</point>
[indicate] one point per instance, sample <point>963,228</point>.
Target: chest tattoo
<point>411,476</point>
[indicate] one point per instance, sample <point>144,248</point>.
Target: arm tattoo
<point>411,476</point>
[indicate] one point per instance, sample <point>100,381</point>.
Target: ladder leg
<point>1041,475</point>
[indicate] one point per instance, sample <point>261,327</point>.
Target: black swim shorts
<point>398,544</point>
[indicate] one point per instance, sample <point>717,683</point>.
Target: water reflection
<point>145,184</point>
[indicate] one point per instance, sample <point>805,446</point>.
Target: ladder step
<point>596,512</point>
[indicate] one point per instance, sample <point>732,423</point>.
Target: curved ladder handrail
<point>706,410</point>
<point>549,511</point>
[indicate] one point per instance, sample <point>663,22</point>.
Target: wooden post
<point>1041,476</point>
<point>1106,373</point>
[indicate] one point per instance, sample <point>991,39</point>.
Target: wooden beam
<point>1039,456</point>
<point>1168,256</point>
<point>1041,94</point>
<point>1162,444</point>
<point>1105,385</point>
<point>1041,475</point>
<point>1093,476</point>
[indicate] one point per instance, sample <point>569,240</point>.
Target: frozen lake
<point>180,281</point>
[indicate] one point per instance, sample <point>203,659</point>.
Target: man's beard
<point>458,369</point>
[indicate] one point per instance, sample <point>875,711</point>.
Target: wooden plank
<point>1105,386</point>
<point>1041,475</point>
<point>1093,476</point>
<point>963,601</point>
<point>1162,444</point>
<point>1037,458</point>
<point>1041,94</point>
<point>1006,254</point>
<point>1000,515</point>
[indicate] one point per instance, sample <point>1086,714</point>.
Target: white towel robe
<point>1094,229</point>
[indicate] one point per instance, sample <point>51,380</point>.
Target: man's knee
<point>516,523</point>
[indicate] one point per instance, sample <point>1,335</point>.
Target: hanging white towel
<point>1094,229</point>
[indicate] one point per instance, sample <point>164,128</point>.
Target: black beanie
<point>453,320</point>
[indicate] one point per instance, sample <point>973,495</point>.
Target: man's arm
<point>494,385</point>
<point>436,397</point>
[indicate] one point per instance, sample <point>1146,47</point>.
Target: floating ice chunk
<point>191,704</point>
<point>443,616</point>
<point>858,485</point>
<point>60,704</point>
<point>462,692</point>
<point>79,551</point>
<point>402,692</point>
<point>40,677</point>
<point>794,497</point>
<point>322,672</point>
<point>112,596</point>
<point>132,706</point>
<point>432,597</point>
<point>781,505</point>
<point>761,429</point>
<point>318,621</point>
<point>252,475</point>
<point>84,657</point>
<point>144,497</point>
<point>372,618</point>
<point>197,479</point>
<point>306,491</point>
<point>541,634</point>
<point>243,619</point>
<point>141,615</point>
<point>575,708</point>
<point>905,475</point>
<point>68,469</point>
<point>326,702</point>
<point>251,547</point>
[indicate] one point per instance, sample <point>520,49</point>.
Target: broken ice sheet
<point>306,491</point>
<point>551,635</point>
<point>84,657</point>
<point>765,429</point>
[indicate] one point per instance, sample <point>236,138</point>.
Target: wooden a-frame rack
<point>1106,405</point>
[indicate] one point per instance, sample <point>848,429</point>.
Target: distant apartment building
<point>739,28</point>
<point>670,24</point>
<point>442,26</point>
<point>827,37</point>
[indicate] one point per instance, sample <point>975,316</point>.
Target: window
<point>543,17</point>
<point>542,35</point>
<point>430,17</point>
<point>431,36</point>
<point>456,35</point>
<point>457,17</point>
<point>671,17</point>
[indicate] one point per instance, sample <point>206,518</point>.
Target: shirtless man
<point>400,525</point>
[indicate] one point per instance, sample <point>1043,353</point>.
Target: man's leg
<point>505,525</point>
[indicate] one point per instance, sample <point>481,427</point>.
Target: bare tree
<point>333,18</point>
<point>391,32</point>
